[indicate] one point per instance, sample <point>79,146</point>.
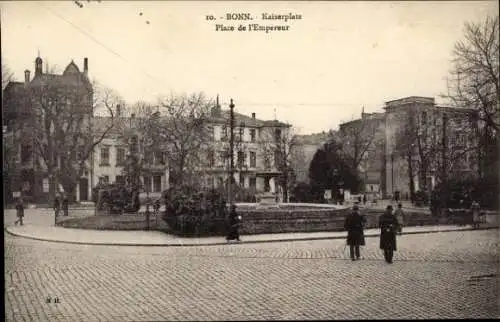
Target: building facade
<point>30,111</point>
<point>256,161</point>
<point>417,144</point>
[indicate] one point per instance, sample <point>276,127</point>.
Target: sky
<point>337,59</point>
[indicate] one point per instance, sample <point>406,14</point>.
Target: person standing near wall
<point>65,205</point>
<point>19,211</point>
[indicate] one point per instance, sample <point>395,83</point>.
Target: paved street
<point>438,275</point>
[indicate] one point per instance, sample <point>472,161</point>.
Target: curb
<point>232,243</point>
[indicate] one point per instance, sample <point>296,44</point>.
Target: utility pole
<point>231,152</point>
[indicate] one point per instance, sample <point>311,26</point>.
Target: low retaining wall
<point>276,220</point>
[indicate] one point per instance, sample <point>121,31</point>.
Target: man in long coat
<point>389,226</point>
<point>355,237</point>
<point>234,223</point>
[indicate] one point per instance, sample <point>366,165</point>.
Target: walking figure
<point>57,205</point>
<point>388,228</point>
<point>355,237</point>
<point>156,206</point>
<point>234,223</point>
<point>65,205</point>
<point>20,211</point>
<point>476,210</point>
<point>400,216</point>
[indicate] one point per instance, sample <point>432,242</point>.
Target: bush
<point>421,198</point>
<point>190,211</point>
<point>302,193</point>
<point>459,193</point>
<point>242,194</point>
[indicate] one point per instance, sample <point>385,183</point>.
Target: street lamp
<point>231,152</point>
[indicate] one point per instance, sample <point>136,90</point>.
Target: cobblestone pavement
<point>439,275</point>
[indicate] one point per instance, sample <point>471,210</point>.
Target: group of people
<point>389,227</point>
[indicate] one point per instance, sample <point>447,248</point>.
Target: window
<point>105,155</point>
<point>104,179</point>
<point>134,147</point>
<point>211,159</point>
<point>423,119</point>
<point>241,179</point>
<point>221,159</point>
<point>147,184</point>
<point>221,181</point>
<point>277,158</point>
<point>277,135</point>
<point>241,159</point>
<point>253,183</point>
<point>157,183</point>
<point>253,160</point>
<point>120,156</point>
<point>159,159</point>
<point>224,133</point>
<point>242,133</point>
<point>80,153</point>
<point>252,135</point>
<point>210,182</point>
<point>120,180</point>
<point>148,157</point>
<point>26,152</point>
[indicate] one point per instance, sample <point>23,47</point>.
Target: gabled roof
<point>239,118</point>
<point>71,69</point>
<point>71,76</point>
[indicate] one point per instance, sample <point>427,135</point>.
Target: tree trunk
<point>285,187</point>
<point>410,176</point>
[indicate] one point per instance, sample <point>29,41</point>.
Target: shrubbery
<point>459,193</point>
<point>190,211</point>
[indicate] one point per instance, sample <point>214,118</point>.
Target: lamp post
<point>231,153</point>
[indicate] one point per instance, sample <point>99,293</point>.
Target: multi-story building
<point>306,147</point>
<point>256,157</point>
<point>417,144</point>
<point>114,154</point>
<point>26,108</point>
<point>363,140</point>
<point>256,165</point>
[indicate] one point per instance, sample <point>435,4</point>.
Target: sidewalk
<point>156,238</point>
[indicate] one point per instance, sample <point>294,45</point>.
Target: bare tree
<point>357,138</point>
<point>7,75</point>
<point>475,75</point>
<point>60,129</point>
<point>474,83</point>
<point>281,148</point>
<point>184,127</point>
<point>148,152</point>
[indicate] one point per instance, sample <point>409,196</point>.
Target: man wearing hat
<point>355,237</point>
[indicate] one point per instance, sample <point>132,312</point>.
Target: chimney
<point>38,66</point>
<point>26,76</point>
<point>253,116</point>
<point>86,66</point>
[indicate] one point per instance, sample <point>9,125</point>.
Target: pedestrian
<point>65,205</point>
<point>57,204</point>
<point>476,210</point>
<point>388,228</point>
<point>400,216</point>
<point>234,223</point>
<point>355,237</point>
<point>156,205</point>
<point>19,211</point>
